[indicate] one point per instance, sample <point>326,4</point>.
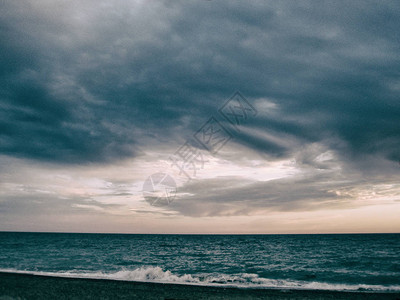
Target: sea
<point>342,262</point>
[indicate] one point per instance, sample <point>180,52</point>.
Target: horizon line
<point>125,233</point>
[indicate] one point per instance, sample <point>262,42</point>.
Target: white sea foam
<point>244,280</point>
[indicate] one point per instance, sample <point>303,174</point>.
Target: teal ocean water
<point>356,262</point>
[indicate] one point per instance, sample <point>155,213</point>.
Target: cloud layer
<point>101,82</point>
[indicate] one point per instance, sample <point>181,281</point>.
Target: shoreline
<point>29,286</point>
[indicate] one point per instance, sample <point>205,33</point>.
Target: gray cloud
<point>84,81</point>
<point>100,81</point>
<point>329,190</point>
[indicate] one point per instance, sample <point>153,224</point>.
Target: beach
<point>25,286</point>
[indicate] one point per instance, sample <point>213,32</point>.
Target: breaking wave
<point>243,280</point>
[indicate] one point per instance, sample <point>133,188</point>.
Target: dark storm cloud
<point>96,81</point>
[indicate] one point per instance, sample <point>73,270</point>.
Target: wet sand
<point>23,286</point>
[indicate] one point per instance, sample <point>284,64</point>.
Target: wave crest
<point>244,280</point>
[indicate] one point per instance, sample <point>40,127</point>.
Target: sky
<point>200,116</point>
